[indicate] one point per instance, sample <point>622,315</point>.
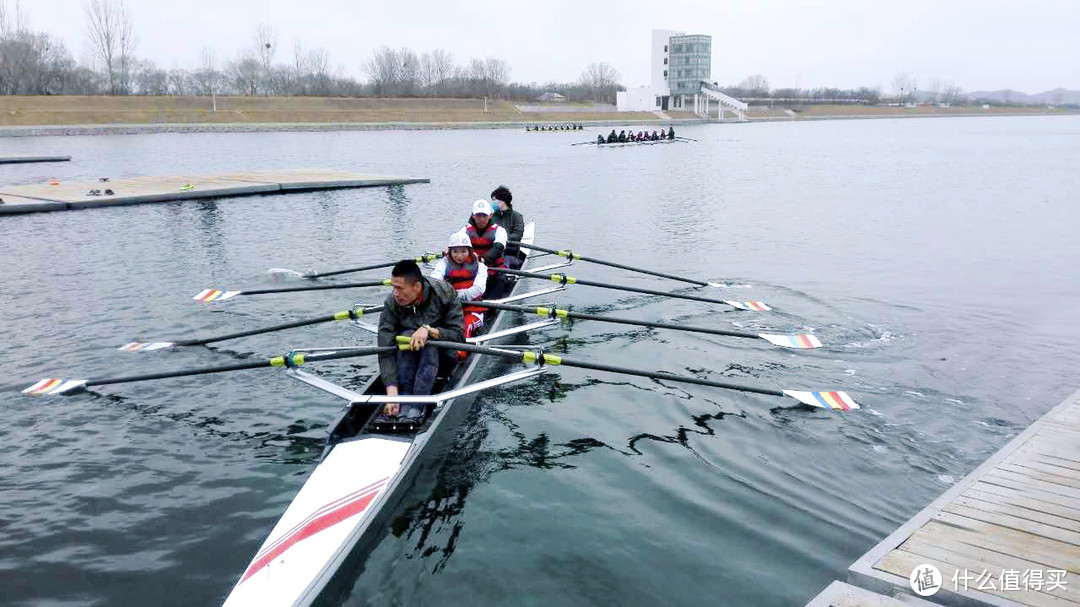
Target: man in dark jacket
<point>422,309</point>
<point>511,221</point>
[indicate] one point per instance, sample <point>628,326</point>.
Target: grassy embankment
<point>71,110</point>
<point>16,111</point>
<point>843,111</point>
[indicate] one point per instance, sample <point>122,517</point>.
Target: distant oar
<point>53,386</point>
<point>212,295</point>
<point>804,341</point>
<point>574,256</point>
<point>825,400</point>
<point>757,306</point>
<point>388,264</point>
<point>150,346</point>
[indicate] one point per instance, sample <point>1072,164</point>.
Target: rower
<point>612,138</point>
<point>421,309</point>
<point>671,131</point>
<point>489,242</point>
<point>599,140</point>
<point>511,221</point>
<point>468,275</point>
<point>622,136</point>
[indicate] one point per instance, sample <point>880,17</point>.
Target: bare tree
<point>12,19</point>
<point>903,86</point>
<point>436,67</point>
<point>206,79</point>
<point>102,32</point>
<point>755,83</point>
<point>601,80</point>
<point>384,69</point>
<point>127,41</point>
<point>496,75</point>
<point>265,47</point>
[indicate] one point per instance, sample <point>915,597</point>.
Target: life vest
<point>481,242</point>
<point>462,276</point>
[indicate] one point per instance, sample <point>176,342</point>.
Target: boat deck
<point>1007,534</point>
<point>73,195</point>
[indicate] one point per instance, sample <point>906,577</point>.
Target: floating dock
<point>22,159</point>
<point>72,195</point>
<point>1008,534</point>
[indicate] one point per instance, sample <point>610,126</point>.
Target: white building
<point>681,72</point>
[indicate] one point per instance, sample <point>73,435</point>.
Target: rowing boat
<point>316,549</point>
<point>343,507</point>
<point>620,144</point>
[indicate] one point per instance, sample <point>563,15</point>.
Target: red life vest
<point>462,276</point>
<point>481,243</point>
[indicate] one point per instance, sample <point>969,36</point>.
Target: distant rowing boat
<point>619,144</point>
<point>555,128</point>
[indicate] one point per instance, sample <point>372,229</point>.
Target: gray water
<point>936,259</point>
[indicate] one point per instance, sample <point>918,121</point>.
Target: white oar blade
<point>754,306</point>
<point>826,400</point>
<point>285,273</point>
<point>717,285</point>
<point>802,341</point>
<point>146,346</point>
<point>212,295</point>
<point>51,386</point>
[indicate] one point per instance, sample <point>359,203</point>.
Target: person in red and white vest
<point>489,244</point>
<point>466,272</point>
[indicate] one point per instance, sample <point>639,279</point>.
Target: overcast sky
<point>1029,46</point>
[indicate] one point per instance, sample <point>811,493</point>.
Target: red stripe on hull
<point>316,525</point>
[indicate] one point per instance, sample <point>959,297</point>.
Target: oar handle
<point>288,360</point>
<point>571,255</point>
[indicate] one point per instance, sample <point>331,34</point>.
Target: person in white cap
<point>489,243</point>
<point>467,274</point>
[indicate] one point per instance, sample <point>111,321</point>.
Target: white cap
<point>459,239</point>
<point>481,207</point>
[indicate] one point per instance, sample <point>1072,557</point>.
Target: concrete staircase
<point>726,102</point>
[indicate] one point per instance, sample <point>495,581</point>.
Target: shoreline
<point>264,127</point>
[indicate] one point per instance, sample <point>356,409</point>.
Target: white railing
<point>726,100</point>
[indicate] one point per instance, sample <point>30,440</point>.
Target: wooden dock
<point>72,195</point>
<point>839,594</point>
<point>23,159</point>
<point>1008,534</point>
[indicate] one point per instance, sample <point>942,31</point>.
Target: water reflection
<point>434,524</point>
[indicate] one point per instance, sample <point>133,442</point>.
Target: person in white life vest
<point>489,244</point>
<point>466,272</point>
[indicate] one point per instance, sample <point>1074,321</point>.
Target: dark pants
<point>513,262</point>
<point>417,370</point>
<point>498,286</point>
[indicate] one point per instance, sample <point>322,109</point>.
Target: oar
<point>757,306</point>
<point>574,256</point>
<point>680,137</point>
<point>212,295</point>
<point>51,385</point>
<point>149,346</point>
<point>825,400</point>
<point>804,341</point>
<point>388,264</point>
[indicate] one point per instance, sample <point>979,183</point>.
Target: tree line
<point>38,63</point>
